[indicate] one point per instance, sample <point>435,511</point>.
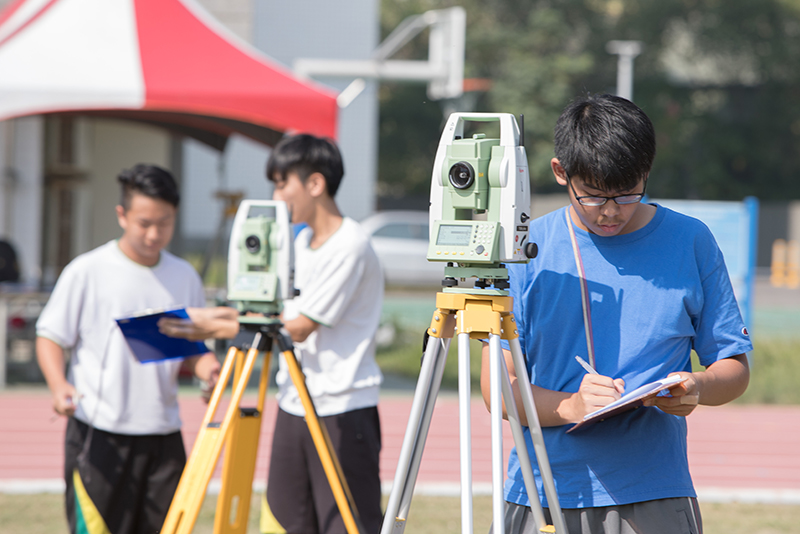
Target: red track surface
<point>732,447</point>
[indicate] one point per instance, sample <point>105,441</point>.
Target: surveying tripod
<point>239,432</point>
<point>480,314</point>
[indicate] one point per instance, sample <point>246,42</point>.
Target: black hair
<point>148,180</point>
<point>607,141</point>
<point>306,154</point>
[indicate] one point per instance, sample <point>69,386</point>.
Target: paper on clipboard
<point>629,401</point>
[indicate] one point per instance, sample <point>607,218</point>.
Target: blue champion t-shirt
<point>656,294</point>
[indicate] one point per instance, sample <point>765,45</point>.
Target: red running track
<point>745,451</point>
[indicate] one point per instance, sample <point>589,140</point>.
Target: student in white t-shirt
<point>333,324</point>
<point>124,453</point>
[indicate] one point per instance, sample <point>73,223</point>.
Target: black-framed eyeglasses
<point>597,200</point>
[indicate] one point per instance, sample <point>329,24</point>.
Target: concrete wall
<point>206,171</point>
<point>240,168</point>
<point>793,222</point>
<point>333,30</point>
<point>284,31</point>
<point>102,148</point>
<point>21,186</point>
<point>236,15</point>
<point>117,145</point>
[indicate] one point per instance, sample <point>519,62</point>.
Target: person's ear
<point>316,184</point>
<point>121,219</point>
<point>558,171</point>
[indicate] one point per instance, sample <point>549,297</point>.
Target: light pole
<point>627,51</point>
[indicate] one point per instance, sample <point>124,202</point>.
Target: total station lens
<point>252,243</point>
<point>462,175</point>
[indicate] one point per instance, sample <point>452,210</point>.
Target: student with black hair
<point>333,324</point>
<point>124,454</point>
<point>633,288</point>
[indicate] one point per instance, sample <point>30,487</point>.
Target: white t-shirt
<point>119,394</point>
<point>341,289</point>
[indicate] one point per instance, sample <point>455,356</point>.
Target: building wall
<point>284,31</point>
<point>79,199</point>
<point>236,15</point>
<point>793,224</point>
<point>206,171</point>
<point>118,145</point>
<point>333,30</point>
<point>21,142</point>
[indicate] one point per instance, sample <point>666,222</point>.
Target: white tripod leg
<point>465,431</point>
<point>522,449</point>
<point>538,441</point>
<point>419,420</point>
<point>496,407</point>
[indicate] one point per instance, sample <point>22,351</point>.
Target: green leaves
<point>719,79</point>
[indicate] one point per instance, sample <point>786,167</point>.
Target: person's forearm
<point>204,323</point>
<point>221,322</point>
<point>224,329</point>
<point>553,408</point>
<point>723,381</point>
<point>300,328</point>
<point>50,357</point>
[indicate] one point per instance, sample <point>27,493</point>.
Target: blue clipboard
<point>150,345</point>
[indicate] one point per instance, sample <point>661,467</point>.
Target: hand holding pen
<point>679,396</point>
<point>596,390</point>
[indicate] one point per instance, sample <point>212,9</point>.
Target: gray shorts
<point>680,515</point>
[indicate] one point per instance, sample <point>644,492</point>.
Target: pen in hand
<point>589,369</point>
<point>585,365</point>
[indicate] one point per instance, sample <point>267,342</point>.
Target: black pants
<point>298,492</point>
<point>127,482</point>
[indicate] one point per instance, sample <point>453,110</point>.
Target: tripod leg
<point>536,436</point>
<point>424,426</point>
<point>496,408</point>
<point>430,379</point>
<point>465,431</point>
<point>522,449</point>
<point>192,487</point>
<point>322,442</point>
<point>239,464</point>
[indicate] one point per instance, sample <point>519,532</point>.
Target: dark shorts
<point>680,515</point>
<point>126,482</point>
<point>298,492</point>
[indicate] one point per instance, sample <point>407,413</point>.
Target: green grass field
<point>43,514</point>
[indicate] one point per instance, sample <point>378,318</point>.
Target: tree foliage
<point>720,80</point>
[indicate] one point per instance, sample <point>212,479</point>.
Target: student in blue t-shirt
<point>656,288</point>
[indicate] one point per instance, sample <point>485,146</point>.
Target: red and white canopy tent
<point>162,62</point>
